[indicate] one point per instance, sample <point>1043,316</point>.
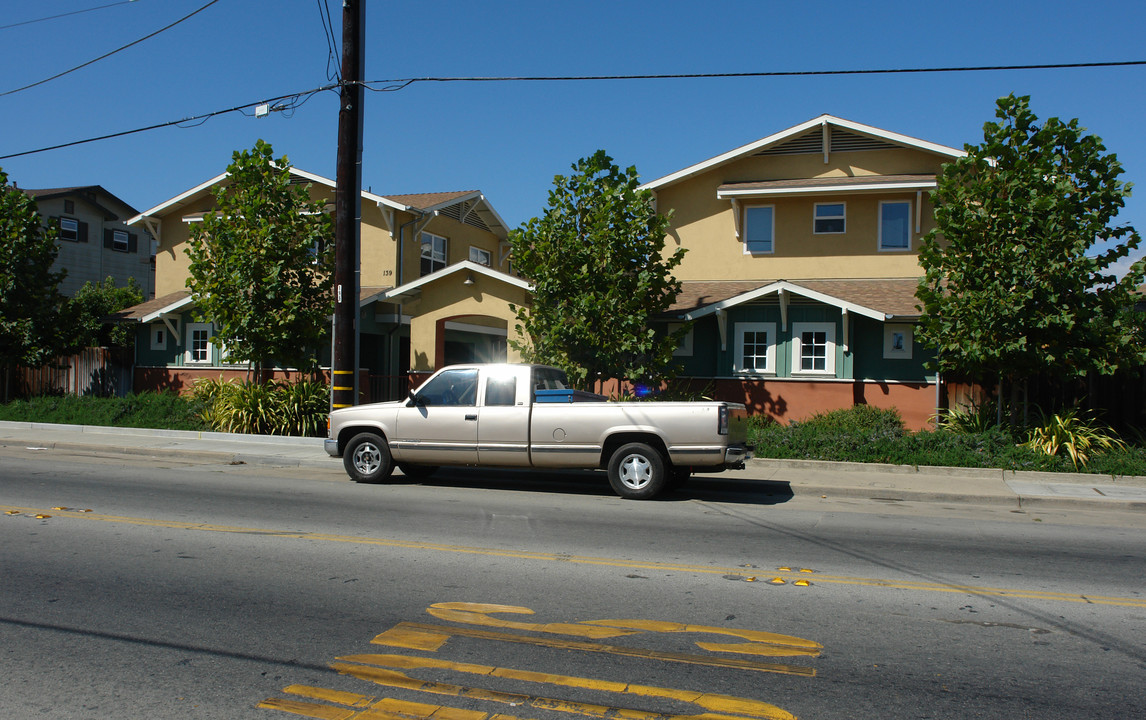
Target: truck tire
<point>637,472</point>
<point>417,472</point>
<point>367,458</point>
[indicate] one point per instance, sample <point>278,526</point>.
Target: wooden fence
<point>93,371</point>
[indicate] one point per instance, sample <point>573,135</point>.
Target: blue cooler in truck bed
<point>566,396</point>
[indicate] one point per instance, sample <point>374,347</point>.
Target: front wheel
<point>367,458</point>
<point>637,472</point>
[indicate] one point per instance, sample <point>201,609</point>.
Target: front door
<point>441,427</point>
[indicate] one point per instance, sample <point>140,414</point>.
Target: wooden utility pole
<point>348,210</point>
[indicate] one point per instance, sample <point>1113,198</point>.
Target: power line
<point>395,85</point>
<point>331,43</point>
<point>398,84</point>
<point>297,99</point>
<point>67,14</point>
<point>113,52</point>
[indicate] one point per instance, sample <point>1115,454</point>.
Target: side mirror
<point>416,400</point>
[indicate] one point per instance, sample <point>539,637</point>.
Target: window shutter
<point>83,232</point>
<point>132,243</point>
<point>107,238</point>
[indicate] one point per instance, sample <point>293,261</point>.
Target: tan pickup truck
<point>526,416</point>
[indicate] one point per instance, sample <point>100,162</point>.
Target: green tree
<point>262,263</point>
<point>29,290</point>
<point>86,314</point>
<point>1018,276</point>
<point>597,263</point>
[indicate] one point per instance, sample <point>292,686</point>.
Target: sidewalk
<point>803,477</point>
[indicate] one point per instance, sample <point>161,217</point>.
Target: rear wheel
<point>637,472</point>
<point>367,458</point>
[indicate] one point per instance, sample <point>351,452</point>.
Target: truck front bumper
<point>331,447</point>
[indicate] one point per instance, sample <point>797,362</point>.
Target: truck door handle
<point>472,417</point>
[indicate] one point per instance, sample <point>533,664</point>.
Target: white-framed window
<point>814,348</point>
<point>159,337</point>
<point>829,218</point>
<point>69,229</point>
<point>897,342</point>
<point>481,257</point>
<point>433,253</point>
<point>198,344</point>
<point>685,347</point>
<point>895,225</point>
<point>759,228</point>
<point>119,241</point>
<point>755,348</point>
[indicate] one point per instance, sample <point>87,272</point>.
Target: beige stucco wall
<point>707,227</point>
<point>486,302</point>
<point>459,237</point>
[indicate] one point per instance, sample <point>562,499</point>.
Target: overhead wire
<point>331,43</point>
<point>396,85</point>
<point>109,54</point>
<point>64,15</point>
<point>405,82</point>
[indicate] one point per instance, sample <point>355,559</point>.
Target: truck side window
<point>550,379</point>
<point>500,390</point>
<point>452,387</point>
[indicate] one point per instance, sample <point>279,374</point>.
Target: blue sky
<point>510,139</point>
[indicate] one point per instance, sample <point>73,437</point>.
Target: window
<point>158,337</point>
<point>755,348</point>
<point>119,241</point>
<point>69,206</point>
<point>199,343</point>
<point>897,340</point>
<point>69,229</point>
<point>501,391</point>
<point>758,226</point>
<point>895,226</point>
<point>815,348</point>
<point>479,256</point>
<point>433,253</point>
<point>829,218</point>
<point>451,388</point>
<point>685,347</point>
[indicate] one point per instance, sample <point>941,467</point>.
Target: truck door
<point>503,430</point>
<point>441,427</point>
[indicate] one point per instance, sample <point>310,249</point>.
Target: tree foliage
<point>86,314</point>
<point>29,289</point>
<point>597,263</point>
<point>1019,278</point>
<point>262,263</point>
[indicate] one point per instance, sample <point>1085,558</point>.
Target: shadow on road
<point>712,488</point>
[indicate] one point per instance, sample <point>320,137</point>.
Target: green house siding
<point>875,361</point>
<point>863,359</point>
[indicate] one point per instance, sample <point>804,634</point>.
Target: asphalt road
<point>212,591</point>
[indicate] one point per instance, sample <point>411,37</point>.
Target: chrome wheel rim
<point>636,472</point>
<point>367,459</point>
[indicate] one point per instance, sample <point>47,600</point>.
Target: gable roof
<point>88,192</point>
<point>878,298</point>
<point>414,287</point>
<point>469,206</point>
<point>821,134</point>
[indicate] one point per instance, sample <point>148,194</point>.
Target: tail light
<point>722,420</point>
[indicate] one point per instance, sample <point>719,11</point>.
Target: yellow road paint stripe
<point>394,679</point>
<point>336,696</point>
<point>310,710</point>
<point>923,586</point>
<point>408,631</point>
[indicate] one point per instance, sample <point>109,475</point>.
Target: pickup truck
<point>526,416</point>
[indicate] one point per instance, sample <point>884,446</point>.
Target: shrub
<point>166,410</point>
<point>1074,434</point>
<point>269,408</point>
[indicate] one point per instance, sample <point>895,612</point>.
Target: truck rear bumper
<point>735,456</point>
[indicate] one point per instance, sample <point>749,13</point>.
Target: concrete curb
<point>954,472</point>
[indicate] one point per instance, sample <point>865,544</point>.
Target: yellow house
<point>802,266</point>
<point>436,285</point>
